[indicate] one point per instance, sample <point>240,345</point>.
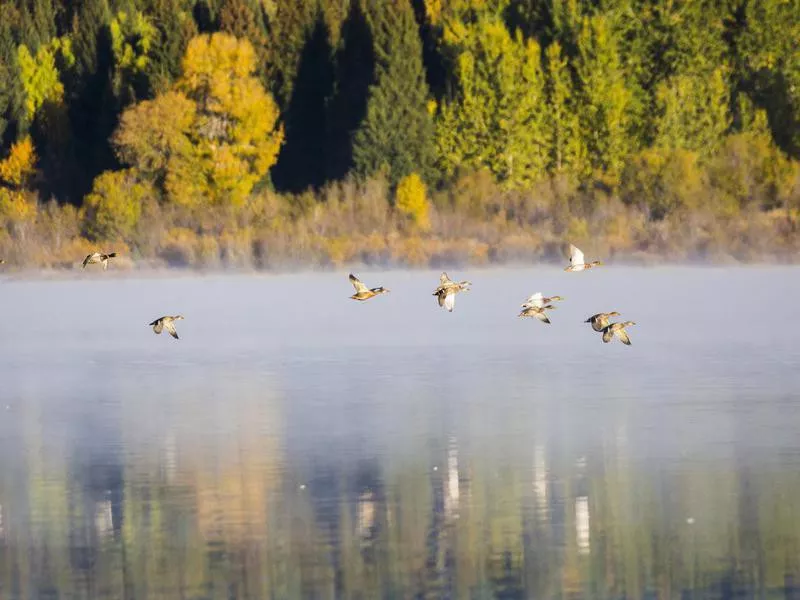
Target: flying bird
<point>600,320</point>
<point>447,290</point>
<point>539,301</point>
<point>537,312</point>
<point>577,262</point>
<point>98,257</point>
<point>167,323</point>
<point>363,292</point>
<point>618,329</point>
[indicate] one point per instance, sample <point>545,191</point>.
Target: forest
<point>283,133</point>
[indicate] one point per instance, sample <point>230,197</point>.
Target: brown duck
<point>167,323</point>
<point>363,292</point>
<point>618,329</point>
<point>600,320</point>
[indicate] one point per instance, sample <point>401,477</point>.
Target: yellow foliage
<point>19,164</point>
<point>212,138</point>
<point>115,204</point>
<point>410,200</point>
<point>17,207</point>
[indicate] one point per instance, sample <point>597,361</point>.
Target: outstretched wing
<point>575,256</point>
<point>449,301</point>
<point>87,259</point>
<point>170,326</point>
<point>542,317</point>
<point>535,300</point>
<point>444,280</point>
<point>623,336</point>
<point>360,287</point>
<point>158,325</point>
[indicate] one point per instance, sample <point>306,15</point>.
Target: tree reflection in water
<point>216,503</point>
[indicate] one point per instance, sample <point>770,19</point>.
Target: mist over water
<point>297,444</point>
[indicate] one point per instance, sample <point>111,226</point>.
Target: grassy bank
<point>473,222</point>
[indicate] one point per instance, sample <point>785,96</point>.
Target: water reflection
<point>399,470</point>
<point>233,516</point>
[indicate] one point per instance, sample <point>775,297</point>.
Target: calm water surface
<point>297,444</point>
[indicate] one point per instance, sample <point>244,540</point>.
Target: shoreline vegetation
<point>284,134</point>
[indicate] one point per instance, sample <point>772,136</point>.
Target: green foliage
<point>290,27</point>
<point>411,201</point>
<point>175,25</point>
<point>496,120</point>
<point>132,39</point>
<point>771,66</point>
<point>693,111</point>
<point>606,109</point>
<point>114,206</point>
<point>40,78</point>
<point>568,151</point>
<point>663,180</point>
<point>397,132</point>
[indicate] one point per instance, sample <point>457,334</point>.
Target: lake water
<point>297,444</point>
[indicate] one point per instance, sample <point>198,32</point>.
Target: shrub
<point>410,201</point>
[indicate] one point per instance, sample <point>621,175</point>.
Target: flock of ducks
<point>534,307</point>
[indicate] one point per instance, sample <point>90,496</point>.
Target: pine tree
<point>176,27</point>
<point>607,111</point>
<point>497,119</point>
<point>354,63</point>
<point>12,113</point>
<point>770,66</point>
<point>246,19</point>
<point>397,132</point>
<point>568,153</point>
<point>289,28</point>
<point>302,161</point>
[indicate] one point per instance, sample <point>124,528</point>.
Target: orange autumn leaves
<point>213,136</point>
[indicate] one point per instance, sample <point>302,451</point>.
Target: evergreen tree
<point>568,151</point>
<point>289,28</point>
<point>607,111</point>
<point>12,113</point>
<point>497,119</point>
<point>246,19</point>
<point>302,161</point>
<point>355,63</point>
<point>397,132</point>
<point>768,56</point>
<point>93,109</point>
<point>176,27</point>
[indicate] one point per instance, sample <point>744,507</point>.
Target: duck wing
<point>170,327</point>
<point>449,300</point>
<point>534,300</point>
<point>623,336</point>
<point>576,256</point>
<point>158,325</point>
<point>360,287</point>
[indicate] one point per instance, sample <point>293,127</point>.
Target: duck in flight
<point>98,257</point>
<point>447,290</point>
<point>577,262</point>
<point>539,301</point>
<point>167,323</point>
<point>363,292</point>
<point>537,312</point>
<point>600,320</point>
<point>618,330</point>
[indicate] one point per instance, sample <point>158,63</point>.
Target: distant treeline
<point>261,132</point>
